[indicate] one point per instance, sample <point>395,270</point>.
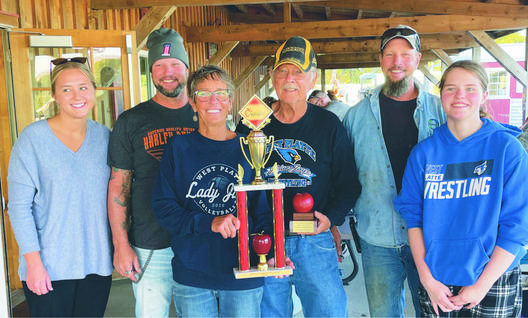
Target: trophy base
<point>303,226</point>
<point>254,272</point>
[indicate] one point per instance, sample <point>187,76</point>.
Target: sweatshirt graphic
<point>465,195</point>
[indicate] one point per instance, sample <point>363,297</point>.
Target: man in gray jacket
<point>383,128</point>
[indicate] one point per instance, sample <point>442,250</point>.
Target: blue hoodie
<point>468,197</point>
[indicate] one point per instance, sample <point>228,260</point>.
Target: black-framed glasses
<point>63,60</point>
<point>204,96</point>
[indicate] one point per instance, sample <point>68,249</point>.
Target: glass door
<point>114,62</point>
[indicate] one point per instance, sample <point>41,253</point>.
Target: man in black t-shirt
<point>142,246</point>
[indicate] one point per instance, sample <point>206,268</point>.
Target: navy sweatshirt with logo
<point>195,184</point>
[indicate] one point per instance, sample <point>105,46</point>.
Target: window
<point>498,85</point>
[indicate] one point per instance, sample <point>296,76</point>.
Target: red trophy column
<point>243,236</point>
<point>278,218</point>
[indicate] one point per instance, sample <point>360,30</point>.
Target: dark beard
<point>174,93</point>
<point>396,89</point>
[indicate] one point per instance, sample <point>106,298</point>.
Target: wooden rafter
<point>269,9</point>
<point>248,71</point>
<point>430,76</point>
<point>298,10</point>
<point>287,13</point>
<point>223,52</point>
<point>501,56</point>
<point>128,4</point>
<point>348,28</point>
<point>455,40</point>
<point>242,8</point>
<point>154,18</point>
<point>442,55</point>
<point>451,7</point>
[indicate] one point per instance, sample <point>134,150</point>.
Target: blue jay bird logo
<point>481,168</point>
<point>288,155</point>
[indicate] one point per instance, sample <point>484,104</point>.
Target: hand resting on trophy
<point>227,225</point>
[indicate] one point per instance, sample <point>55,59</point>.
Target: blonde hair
<point>83,67</point>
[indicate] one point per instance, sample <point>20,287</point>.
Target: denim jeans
<point>316,278</point>
<point>385,272</point>
<point>153,292</point>
<point>199,302</point>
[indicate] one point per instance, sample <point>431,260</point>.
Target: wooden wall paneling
<point>118,20</point>
<point>67,16</point>
<point>56,14</point>
<point>5,152</point>
<point>26,19</point>
<point>81,14</point>
<point>125,21</point>
<point>22,78</point>
<point>41,14</point>
<point>109,14</point>
<point>8,6</point>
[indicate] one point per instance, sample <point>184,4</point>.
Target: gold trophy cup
<point>255,115</point>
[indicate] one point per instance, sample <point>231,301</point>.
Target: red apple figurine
<point>303,202</point>
<point>261,244</point>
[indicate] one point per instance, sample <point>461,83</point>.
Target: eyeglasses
<point>204,96</point>
<point>62,60</point>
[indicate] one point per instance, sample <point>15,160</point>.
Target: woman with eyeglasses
<point>58,180</point>
<point>194,199</point>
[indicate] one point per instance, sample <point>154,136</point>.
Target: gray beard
<point>174,93</point>
<point>396,89</point>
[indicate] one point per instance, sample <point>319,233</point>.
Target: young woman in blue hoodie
<point>461,199</point>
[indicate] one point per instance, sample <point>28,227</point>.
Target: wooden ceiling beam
<point>153,20</point>
<point>348,28</point>
<point>364,64</point>
<point>501,56</point>
<point>430,76</point>
<point>298,10</point>
<point>471,8</point>
<point>242,8</point>
<point>328,13</point>
<point>248,71</point>
<point>269,9</point>
<point>443,56</point>
<point>129,4</point>
<point>287,13</point>
<point>223,52</point>
<point>455,40</point>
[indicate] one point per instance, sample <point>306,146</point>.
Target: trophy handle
<point>271,140</point>
<point>242,142</point>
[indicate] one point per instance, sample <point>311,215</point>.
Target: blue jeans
<point>199,302</point>
<point>385,272</point>
<point>316,278</point>
<point>153,292</point>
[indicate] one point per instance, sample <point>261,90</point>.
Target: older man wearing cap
<point>313,156</point>
<point>142,246</point>
<point>383,128</point>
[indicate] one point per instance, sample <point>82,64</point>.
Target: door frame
<point>23,109</point>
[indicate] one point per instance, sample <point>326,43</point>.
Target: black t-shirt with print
<point>137,142</point>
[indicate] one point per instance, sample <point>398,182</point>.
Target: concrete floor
<point>121,302</point>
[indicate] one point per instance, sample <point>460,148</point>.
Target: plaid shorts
<point>504,299</point>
